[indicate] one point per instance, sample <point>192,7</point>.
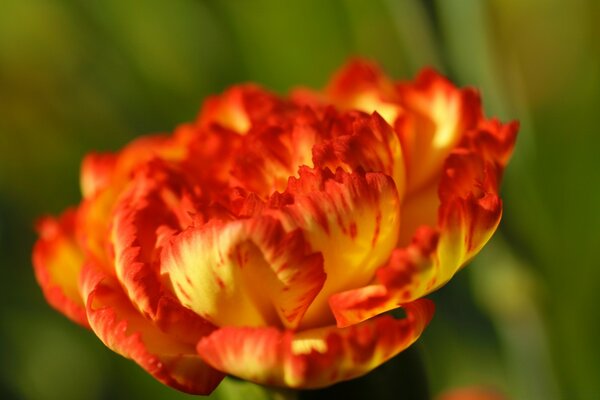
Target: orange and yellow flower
<point>269,238</point>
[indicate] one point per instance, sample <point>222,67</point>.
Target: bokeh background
<point>85,75</point>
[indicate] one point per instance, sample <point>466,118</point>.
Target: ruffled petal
<point>116,322</point>
<point>103,179</point>
<point>409,273</point>
<point>361,85</point>
<point>354,140</point>
<point>239,108</point>
<point>436,115</point>
<point>246,272</point>
<point>469,213</point>
<point>97,170</point>
<point>351,219</point>
<point>274,149</point>
<point>57,262</point>
<point>316,357</point>
<point>156,205</point>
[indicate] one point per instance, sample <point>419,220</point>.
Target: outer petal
<point>316,357</point>
<point>97,170</point>
<point>103,178</point>
<point>361,85</point>
<point>246,272</point>
<point>155,205</point>
<point>408,274</point>
<point>125,331</point>
<point>436,116</point>
<point>352,219</point>
<point>57,261</point>
<point>469,213</point>
<point>239,108</point>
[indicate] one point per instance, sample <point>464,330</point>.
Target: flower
<point>269,238</point>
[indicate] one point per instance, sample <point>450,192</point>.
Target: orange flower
<point>268,239</point>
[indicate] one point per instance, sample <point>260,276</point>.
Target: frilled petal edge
<point>316,357</point>
<point>469,213</point>
<point>57,262</point>
<point>124,330</point>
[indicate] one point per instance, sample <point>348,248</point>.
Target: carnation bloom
<point>269,238</point>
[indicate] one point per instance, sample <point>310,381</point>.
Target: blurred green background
<point>77,76</point>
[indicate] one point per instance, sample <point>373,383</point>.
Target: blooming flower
<point>269,238</point>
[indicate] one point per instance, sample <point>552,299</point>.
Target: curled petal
<point>435,118</point>
<point>57,262</point>
<point>409,273</point>
<point>352,219</point>
<point>239,108</point>
<point>154,207</point>
<point>493,140</point>
<point>245,272</point>
<point>96,172</point>
<point>468,216</point>
<point>470,210</point>
<point>362,85</point>
<point>360,141</point>
<point>103,182</point>
<point>274,150</point>
<point>209,153</point>
<point>118,324</point>
<point>316,357</point>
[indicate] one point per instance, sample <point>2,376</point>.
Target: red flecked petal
<point>407,275</point>
<point>352,219</point>
<point>155,205</point>
<point>96,172</point>
<point>239,108</point>
<point>355,141</point>
<point>361,85</point>
<point>469,213</point>
<point>93,218</point>
<point>246,272</point>
<point>274,150</point>
<point>492,139</point>
<point>436,115</point>
<point>57,262</point>
<point>316,357</point>
<point>118,324</point>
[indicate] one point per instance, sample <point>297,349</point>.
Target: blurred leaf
<point>283,44</point>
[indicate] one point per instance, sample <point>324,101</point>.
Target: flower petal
<point>316,357</point>
<point>408,274</point>
<point>436,114</point>
<point>57,262</point>
<point>361,85</point>
<point>352,219</point>
<point>97,170</point>
<point>354,140</point>
<point>118,324</point>
<point>102,182</point>
<point>156,204</point>
<point>245,272</point>
<point>469,213</point>
<point>273,150</point>
<point>239,108</point>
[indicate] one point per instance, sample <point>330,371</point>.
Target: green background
<point>77,76</point>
